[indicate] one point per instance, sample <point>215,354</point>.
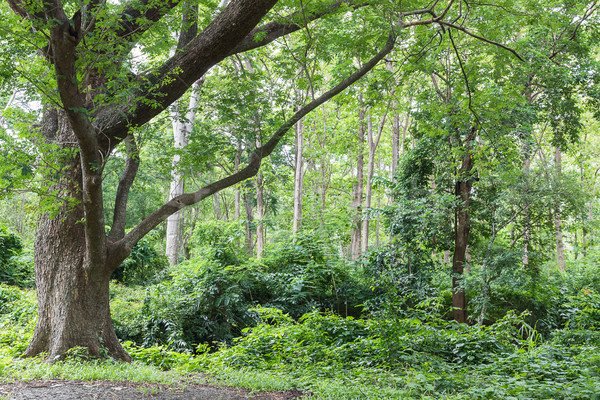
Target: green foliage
<point>143,264</point>
<point>203,301</point>
<point>16,266</point>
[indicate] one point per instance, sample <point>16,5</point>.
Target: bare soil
<point>102,390</point>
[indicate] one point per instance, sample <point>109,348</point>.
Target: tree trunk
<point>238,187</point>
<point>527,216</point>
<point>249,239</point>
<point>395,140</point>
<point>260,216</point>
<point>73,298</point>
<point>72,288</point>
<point>356,232</point>
<point>369,186</point>
<point>182,126</point>
<point>461,233</point>
<point>373,141</point>
<point>561,260</point>
<point>298,176</point>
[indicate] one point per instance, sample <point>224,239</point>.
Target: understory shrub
<point>16,266</point>
<point>203,301</point>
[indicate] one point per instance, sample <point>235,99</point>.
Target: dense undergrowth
<point>302,318</point>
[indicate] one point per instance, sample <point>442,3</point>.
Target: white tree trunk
<point>355,234</point>
<point>182,126</point>
<point>298,177</point>
<point>260,216</point>
<point>561,259</point>
<point>373,142</point>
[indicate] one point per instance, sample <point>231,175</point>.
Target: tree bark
<point>527,216</point>
<point>72,290</point>
<point>561,260</point>
<point>356,232</point>
<point>373,143</point>
<point>462,190</point>
<point>298,177</point>
<point>260,216</point>
<point>249,237</point>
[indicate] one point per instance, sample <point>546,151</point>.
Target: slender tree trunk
<point>182,126</point>
<point>238,189</point>
<point>395,140</point>
<point>260,216</point>
<point>249,237</point>
<point>527,217</point>
<point>373,142</point>
<point>356,235</point>
<point>325,178</point>
<point>462,227</point>
<point>369,186</point>
<point>298,176</point>
<point>561,260</point>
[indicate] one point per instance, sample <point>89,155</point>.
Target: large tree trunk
<point>72,289</point>
<point>73,297</point>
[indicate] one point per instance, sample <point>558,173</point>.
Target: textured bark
<point>73,299</point>
<point>72,289</point>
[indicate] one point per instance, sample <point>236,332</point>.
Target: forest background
<point>430,231</point>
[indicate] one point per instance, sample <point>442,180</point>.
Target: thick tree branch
<point>122,247</point>
<point>271,31</point>
<point>175,77</point>
<point>136,16</point>
<point>117,230</point>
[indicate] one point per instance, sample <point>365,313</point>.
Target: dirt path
<point>82,390</point>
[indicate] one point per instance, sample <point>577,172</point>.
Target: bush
<point>141,266</point>
<point>16,267</point>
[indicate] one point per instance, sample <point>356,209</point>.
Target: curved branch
<point>460,28</point>
<point>174,78</point>
<point>123,246</point>
<point>135,16</point>
<point>271,31</point>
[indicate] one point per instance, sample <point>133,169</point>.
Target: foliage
<point>143,264</point>
<point>16,268</point>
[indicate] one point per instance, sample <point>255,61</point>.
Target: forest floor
<point>104,390</point>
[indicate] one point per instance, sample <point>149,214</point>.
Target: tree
<point>95,101</point>
<point>99,103</point>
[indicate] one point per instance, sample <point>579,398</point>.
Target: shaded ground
<point>75,390</point>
